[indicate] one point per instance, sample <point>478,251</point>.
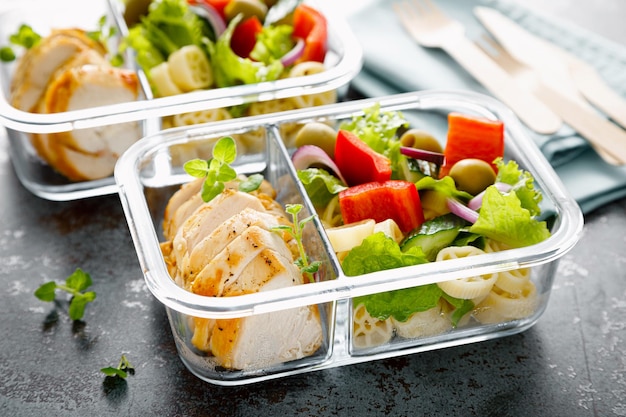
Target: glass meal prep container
<point>342,62</point>
<point>151,171</point>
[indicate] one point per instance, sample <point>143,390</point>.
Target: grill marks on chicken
<point>69,71</point>
<point>226,248</point>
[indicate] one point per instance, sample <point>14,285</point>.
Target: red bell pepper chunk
<point>393,199</point>
<point>472,137</point>
<point>310,25</point>
<point>357,162</point>
<point>244,36</point>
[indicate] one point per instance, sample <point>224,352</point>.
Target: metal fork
<point>433,29</point>
<point>608,139</point>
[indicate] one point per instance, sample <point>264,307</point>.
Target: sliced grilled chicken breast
<point>91,86</point>
<point>182,196</point>
<point>37,66</point>
<point>208,216</point>
<point>227,247</point>
<point>214,242</point>
<point>227,266</point>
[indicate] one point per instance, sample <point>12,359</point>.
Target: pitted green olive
<point>420,139</point>
<point>434,204</point>
<point>246,7</point>
<point>320,134</point>
<point>472,175</point>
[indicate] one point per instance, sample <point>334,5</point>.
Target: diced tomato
<point>393,199</point>
<point>357,162</point>
<point>218,5</point>
<point>472,137</point>
<point>244,36</point>
<point>310,25</point>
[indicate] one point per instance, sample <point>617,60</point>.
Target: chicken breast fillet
<point>37,66</point>
<point>226,248</point>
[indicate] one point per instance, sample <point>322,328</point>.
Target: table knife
<point>558,67</point>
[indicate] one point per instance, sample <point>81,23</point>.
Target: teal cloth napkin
<point>394,63</point>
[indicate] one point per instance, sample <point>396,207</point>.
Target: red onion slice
<point>296,52</point>
<point>461,210</point>
<point>208,13</point>
<point>307,156</point>
<point>423,155</point>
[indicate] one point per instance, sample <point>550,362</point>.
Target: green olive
<point>246,7</point>
<point>420,139</point>
<point>472,175</point>
<point>320,134</point>
<point>434,204</point>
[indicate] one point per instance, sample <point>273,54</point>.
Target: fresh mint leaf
<point>7,54</point>
<point>196,168</point>
<point>217,170</point>
<point>122,370</point>
<point>79,280</point>
<point>225,150</point>
<point>114,372</point>
<point>46,292</point>
<point>78,303</point>
<point>295,231</point>
<point>253,182</point>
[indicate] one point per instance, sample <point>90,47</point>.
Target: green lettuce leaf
<point>523,185</point>
<point>379,252</point>
<point>320,185</point>
<point>272,43</point>
<point>401,304</point>
<point>503,218</point>
<point>231,69</point>
<point>168,26</point>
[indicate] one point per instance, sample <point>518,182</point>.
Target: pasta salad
<point>189,45</point>
<point>391,196</point>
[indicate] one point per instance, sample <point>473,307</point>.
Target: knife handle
<point>609,137</point>
<point>593,87</point>
<point>528,108</point>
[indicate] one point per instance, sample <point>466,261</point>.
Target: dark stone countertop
<point>571,363</point>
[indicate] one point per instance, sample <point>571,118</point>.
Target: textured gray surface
<point>572,363</point>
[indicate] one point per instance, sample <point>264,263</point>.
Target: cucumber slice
<point>435,235</point>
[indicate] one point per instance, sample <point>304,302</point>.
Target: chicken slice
<point>177,200</point>
<point>209,216</point>
<point>80,166</point>
<point>264,340</point>
<point>267,266</point>
<point>37,66</point>
<point>227,266</point>
<point>214,242</point>
<point>88,86</point>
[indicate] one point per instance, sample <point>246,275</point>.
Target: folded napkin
<point>394,63</point>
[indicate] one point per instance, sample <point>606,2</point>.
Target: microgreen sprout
<point>307,269</point>
<point>25,37</point>
<point>217,170</point>
<point>123,369</point>
<point>75,284</point>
